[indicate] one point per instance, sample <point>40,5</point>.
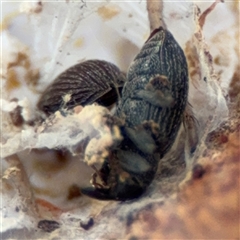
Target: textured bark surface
<point>207,206</point>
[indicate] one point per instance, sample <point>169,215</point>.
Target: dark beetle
<point>153,100</point>
<point>85,83</point>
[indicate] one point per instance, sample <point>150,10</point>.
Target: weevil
<point>152,104</point>
<point>83,84</point>
<point>153,101</point>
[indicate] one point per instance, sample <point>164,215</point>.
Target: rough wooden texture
<point>207,207</point>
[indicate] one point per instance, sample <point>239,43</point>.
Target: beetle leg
<point>160,140</point>
<point>142,139</point>
<point>191,125</point>
<point>94,181</point>
<point>99,191</point>
<point>101,174</point>
<point>132,162</point>
<point>157,92</point>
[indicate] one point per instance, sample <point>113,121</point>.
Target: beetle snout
<point>122,191</point>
